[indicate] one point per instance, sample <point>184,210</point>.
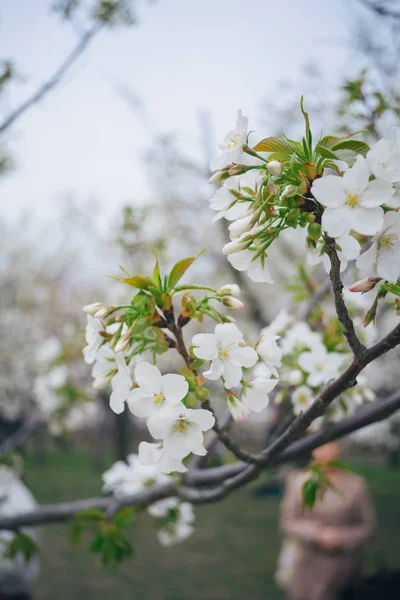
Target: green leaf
<point>75,532</point>
<point>330,140</point>
<point>310,491</point>
<point>22,544</point>
<point>273,144</point>
<point>356,146</point>
<point>124,517</point>
<point>180,268</point>
<point>156,273</point>
<point>142,282</point>
<point>326,152</point>
<point>307,120</point>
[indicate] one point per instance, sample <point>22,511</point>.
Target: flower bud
<point>91,309</point>
<point>274,167</point>
<point>219,176</point>
<point>232,303</point>
<point>295,377</point>
<point>233,247</point>
<point>238,170</point>
<point>229,289</point>
<point>103,381</point>
<point>123,342</point>
<point>364,285</point>
<point>240,226</point>
<point>104,312</point>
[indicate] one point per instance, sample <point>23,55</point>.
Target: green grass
<point>231,556</point>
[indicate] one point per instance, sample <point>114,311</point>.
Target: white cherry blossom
<point>347,249</point>
<point>352,201</point>
<point>384,254</point>
<point>301,337</point>
<point>153,454</point>
<point>93,339</point>
<point>302,398</point>
<point>232,146</point>
<point>246,260</point>
<point>180,518</point>
<point>155,391</point>
<point>321,365</point>
<point>269,350</point>
<point>226,355</point>
<point>226,203</point>
<point>131,477</point>
<point>237,407</point>
<point>121,384</point>
<point>384,158</point>
<point>182,433</point>
<point>255,393</point>
<point>103,368</point>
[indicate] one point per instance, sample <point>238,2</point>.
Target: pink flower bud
<point>275,168</point>
<point>364,285</point>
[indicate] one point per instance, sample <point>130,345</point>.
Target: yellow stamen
<point>352,200</point>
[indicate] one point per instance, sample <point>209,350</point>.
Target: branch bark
<point>337,286</point>
<point>46,87</point>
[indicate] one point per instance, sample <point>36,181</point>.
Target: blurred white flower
<point>384,254</point>
<point>131,477</point>
<point>384,158</point>
<point>301,337</point>
<point>232,146</point>
<point>321,365</point>
<point>347,249</point>
<point>226,355</point>
<point>177,518</point>
<point>302,398</point>
<point>269,350</point>
<point>153,454</point>
<point>255,393</point>
<point>93,339</point>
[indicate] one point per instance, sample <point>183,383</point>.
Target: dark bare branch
<point>337,286</point>
<point>53,81</point>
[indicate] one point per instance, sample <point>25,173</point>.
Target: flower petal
<point>227,334</point>
<point>202,417</point>
<point>215,371</point>
<point>355,180</point>
<point>378,192</point>
<point>367,221</point>
<point>329,191</point>
<point>232,375</point>
<point>148,377</point>
<point>334,223</point>
<point>174,387</point>
<point>243,356</point>
<point>206,346</point>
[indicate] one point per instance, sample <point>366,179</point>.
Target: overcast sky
<point>183,55</point>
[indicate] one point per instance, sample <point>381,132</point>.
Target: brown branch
<point>53,81</point>
<point>337,286</point>
<point>232,476</point>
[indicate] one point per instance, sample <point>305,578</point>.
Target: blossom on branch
<point>384,254</point>
<point>226,354</point>
<point>232,146</point>
<point>352,201</point>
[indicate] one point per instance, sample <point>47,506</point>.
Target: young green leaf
<point>180,268</point>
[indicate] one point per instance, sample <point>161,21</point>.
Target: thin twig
<point>53,81</point>
<point>337,286</point>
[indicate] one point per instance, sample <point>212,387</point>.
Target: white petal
<point>228,333</point>
<point>367,260</point>
<point>256,400</point>
<point>175,447</point>
<point>195,445</point>
<point>140,405</point>
<point>355,180</point>
<point>367,221</point>
<point>388,268</point>
<point>206,345</point>
<point>334,222</point>
<point>160,426</point>
<point>243,356</point>
<point>241,260</point>
<point>148,377</point>
<point>232,375</point>
<point>203,418</point>
<point>117,402</point>
<point>378,192</point>
<point>349,246</point>
<point>175,388</point>
<point>329,191</point>
<point>149,454</point>
<point>168,464</point>
<point>215,371</point>
<point>259,273</point>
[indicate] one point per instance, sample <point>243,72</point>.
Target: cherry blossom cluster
<point>338,187</point>
<point>174,519</point>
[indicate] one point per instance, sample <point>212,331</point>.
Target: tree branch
<point>337,286</point>
<point>53,81</point>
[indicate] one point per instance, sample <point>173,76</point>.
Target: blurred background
<point>109,114</point>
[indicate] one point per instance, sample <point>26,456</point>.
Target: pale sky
<point>182,56</point>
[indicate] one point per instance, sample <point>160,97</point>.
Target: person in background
<point>323,547</point>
